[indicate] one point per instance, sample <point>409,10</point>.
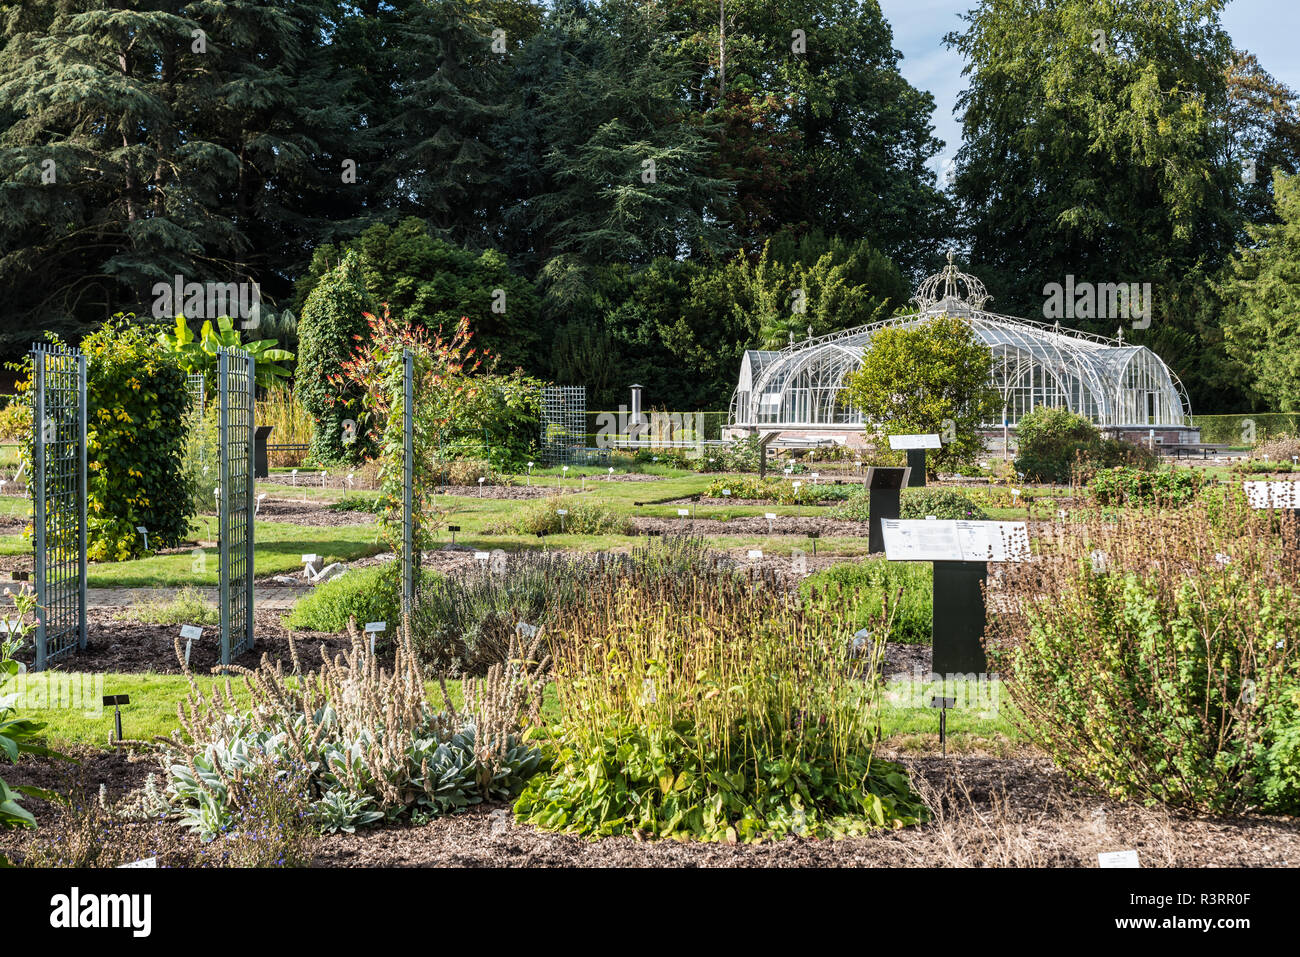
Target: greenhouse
<point>1118,386</point>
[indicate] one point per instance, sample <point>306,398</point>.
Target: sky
<point>1267,28</point>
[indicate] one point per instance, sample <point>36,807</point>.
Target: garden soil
<point>1015,811</point>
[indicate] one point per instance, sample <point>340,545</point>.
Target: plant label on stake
<point>372,628</point>
<point>144,532</point>
<point>453,529</point>
<point>755,553</point>
<point>482,557</point>
<point>191,634</point>
<point>771,517</point>
<point>561,512</point>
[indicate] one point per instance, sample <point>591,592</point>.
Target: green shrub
<point>945,503</point>
<point>16,420</point>
<point>1116,452</point>
<point>583,518</point>
<point>858,591</point>
<point>138,417</point>
<point>777,490</point>
<point>464,623</point>
<point>365,594</point>
<point>467,472</point>
<point>1157,657</point>
<point>736,717</point>
<point>332,315</point>
<point>1132,486</point>
<point>1049,441</point>
<point>357,503</point>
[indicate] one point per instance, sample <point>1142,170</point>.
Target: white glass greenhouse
<point>1120,387</point>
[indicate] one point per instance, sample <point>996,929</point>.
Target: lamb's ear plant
<point>17,735</point>
<point>359,733</point>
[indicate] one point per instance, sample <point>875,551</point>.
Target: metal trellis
<point>235,508</point>
<point>59,499</point>
<point>564,424</point>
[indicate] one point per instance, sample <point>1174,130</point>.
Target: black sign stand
<point>958,618</point>
<point>916,462</point>
<point>885,487</point>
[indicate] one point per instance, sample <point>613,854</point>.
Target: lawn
<point>905,721</point>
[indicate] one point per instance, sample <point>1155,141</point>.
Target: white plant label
<point>373,626</point>
<point>147,862</point>
<point>561,511</point>
<point>191,632</point>
<point>683,512</point>
<point>309,558</point>
<point>755,553</point>
<point>1118,859</point>
<point>769,515</point>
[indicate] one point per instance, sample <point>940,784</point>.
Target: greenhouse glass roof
<point>1112,383</point>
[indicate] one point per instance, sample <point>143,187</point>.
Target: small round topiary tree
<point>333,318</point>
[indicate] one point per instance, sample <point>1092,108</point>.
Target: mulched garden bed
<point>1016,811</point>
<point>310,513</point>
<point>129,646</point>
<point>753,525</point>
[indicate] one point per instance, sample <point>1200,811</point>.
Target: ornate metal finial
<point>943,290</point>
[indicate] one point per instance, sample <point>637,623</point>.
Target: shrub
<point>737,717</point>
<point>139,413</point>
<point>363,594</point>
<point>1049,441</point>
<point>360,740</point>
<point>583,518</point>
<point>468,472</point>
<point>777,490</point>
<point>858,592</point>
<point>16,420</point>
<point>1116,452</point>
<point>1132,486</point>
<point>945,503</point>
<point>1156,657</point>
<point>915,503</point>
<point>465,623</point>
<point>332,315</point>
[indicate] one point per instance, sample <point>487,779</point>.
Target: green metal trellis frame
<point>59,500</point>
<point>235,508</point>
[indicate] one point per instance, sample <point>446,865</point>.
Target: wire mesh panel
<point>408,482</point>
<point>198,395</point>
<point>564,424</point>
<point>235,503</point>
<point>59,500</point>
